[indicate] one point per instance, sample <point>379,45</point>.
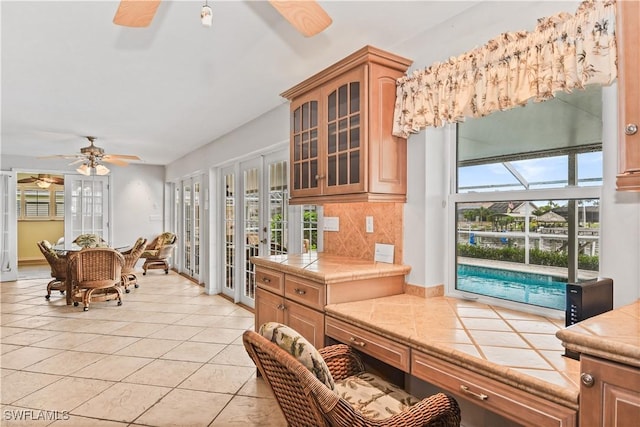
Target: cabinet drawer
<point>383,349</point>
<point>509,402</point>
<point>270,279</point>
<point>304,291</point>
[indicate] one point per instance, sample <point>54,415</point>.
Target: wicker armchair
<point>158,252</point>
<point>58,264</point>
<point>131,257</point>
<point>95,275</point>
<point>307,400</point>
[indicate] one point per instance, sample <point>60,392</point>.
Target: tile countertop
<point>515,348</point>
<point>614,335</point>
<point>329,268</point>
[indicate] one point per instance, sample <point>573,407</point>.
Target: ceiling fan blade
<point>59,156</point>
<point>306,16</point>
<point>114,161</point>
<point>78,160</point>
<point>136,13</point>
<point>27,180</point>
<point>122,156</point>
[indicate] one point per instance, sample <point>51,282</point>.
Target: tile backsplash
<point>352,240</point>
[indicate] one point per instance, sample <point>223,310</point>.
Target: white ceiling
<point>163,91</point>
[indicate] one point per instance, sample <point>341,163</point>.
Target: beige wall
<point>30,232</point>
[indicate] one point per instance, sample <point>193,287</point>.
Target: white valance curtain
<point>564,52</point>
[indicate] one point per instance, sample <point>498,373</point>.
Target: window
<point>527,200</point>
<point>35,203</point>
<point>310,228</point>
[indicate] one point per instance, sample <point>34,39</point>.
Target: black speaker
<point>585,300</point>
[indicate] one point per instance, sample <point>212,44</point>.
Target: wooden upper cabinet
<point>628,40</point>
<point>342,148</point>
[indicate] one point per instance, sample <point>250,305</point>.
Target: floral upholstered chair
<point>131,257</point>
<point>58,264</point>
<point>329,387</point>
<point>158,252</point>
<point>90,241</point>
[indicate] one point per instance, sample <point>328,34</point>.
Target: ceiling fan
<point>43,180</point>
<point>305,16</point>
<point>92,157</point>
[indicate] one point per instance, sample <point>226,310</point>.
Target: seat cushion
<point>149,253</point>
<point>372,396</point>
<point>296,345</point>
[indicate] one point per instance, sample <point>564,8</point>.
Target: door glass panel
<point>331,106</point>
<point>87,207</point>
<point>342,100</point>
<point>229,236</point>
<point>251,227</point>
<point>188,228</point>
<point>278,207</point>
<point>331,171</point>
<point>354,170</point>
<point>196,230</point>
<point>355,97</point>
<point>331,138</point>
<point>343,169</point>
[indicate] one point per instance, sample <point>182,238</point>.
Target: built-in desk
<point>609,348</point>
<point>509,362</point>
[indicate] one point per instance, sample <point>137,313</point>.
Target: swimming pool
<point>528,288</point>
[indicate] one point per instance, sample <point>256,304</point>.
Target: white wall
<point>269,130</point>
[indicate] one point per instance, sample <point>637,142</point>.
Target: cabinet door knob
<point>631,129</point>
<point>300,291</point>
<point>587,379</point>
<point>266,280</point>
<point>281,307</point>
<point>319,176</point>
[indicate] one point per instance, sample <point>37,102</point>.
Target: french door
<point>255,219</point>
<point>191,227</point>
<point>8,228</point>
<point>86,201</point>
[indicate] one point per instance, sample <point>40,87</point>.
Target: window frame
<point>52,203</point>
<point>544,194</point>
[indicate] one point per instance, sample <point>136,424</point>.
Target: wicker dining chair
<point>95,275</point>
<point>329,387</point>
<point>58,264</point>
<point>158,252</point>
<point>131,257</point>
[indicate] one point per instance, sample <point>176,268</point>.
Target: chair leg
<point>86,298</point>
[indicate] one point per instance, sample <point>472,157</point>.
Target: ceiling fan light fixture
<point>102,170</point>
<point>43,184</point>
<point>84,170</point>
<point>206,15</point>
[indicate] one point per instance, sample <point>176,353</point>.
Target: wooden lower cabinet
<point>509,402</point>
<point>609,393</point>
<point>297,301</point>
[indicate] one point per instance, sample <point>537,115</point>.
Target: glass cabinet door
<point>305,155</point>
<point>344,103</point>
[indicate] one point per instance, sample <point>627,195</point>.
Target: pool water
<point>528,288</point>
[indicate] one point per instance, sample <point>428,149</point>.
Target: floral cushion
<point>372,396</point>
<point>150,253</point>
<point>90,241</point>
<point>165,238</point>
<point>297,346</point>
<point>49,248</point>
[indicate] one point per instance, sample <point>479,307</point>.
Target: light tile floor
<point>169,356</point>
